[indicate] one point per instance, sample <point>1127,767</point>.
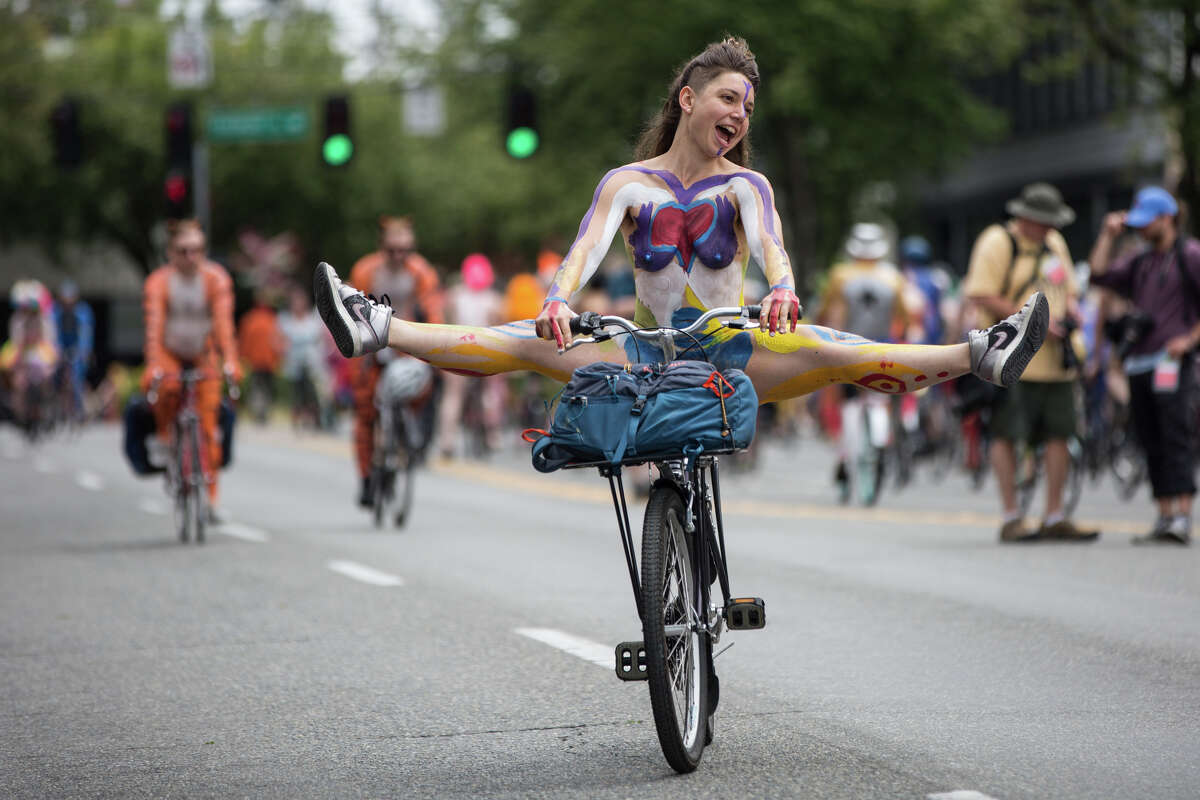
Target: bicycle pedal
<point>745,614</point>
<point>631,661</point>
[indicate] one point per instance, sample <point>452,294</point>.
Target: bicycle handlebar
<point>191,375</point>
<point>590,325</point>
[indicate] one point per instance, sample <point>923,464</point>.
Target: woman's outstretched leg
<point>360,326</point>
<point>795,364</point>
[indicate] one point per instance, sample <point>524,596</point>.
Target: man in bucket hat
<point>1008,264</point>
<point>1162,282</point>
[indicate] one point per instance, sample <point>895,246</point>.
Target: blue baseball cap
<point>1150,204</point>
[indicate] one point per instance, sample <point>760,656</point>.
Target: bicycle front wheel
<point>676,648</point>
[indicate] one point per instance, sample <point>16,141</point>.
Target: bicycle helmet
<point>402,380</point>
<point>915,250</point>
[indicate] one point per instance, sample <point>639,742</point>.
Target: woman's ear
<point>687,99</point>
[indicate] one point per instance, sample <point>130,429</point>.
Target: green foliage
<point>853,93</point>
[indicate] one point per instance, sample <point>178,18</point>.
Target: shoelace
<point>383,300</point>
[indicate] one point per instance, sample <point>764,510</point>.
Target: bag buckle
<point>638,405</point>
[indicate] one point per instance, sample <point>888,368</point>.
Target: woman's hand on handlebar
<point>779,308</point>
<point>554,323</point>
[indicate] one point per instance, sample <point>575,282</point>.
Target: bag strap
<point>1189,285</point>
<point>1012,265</point>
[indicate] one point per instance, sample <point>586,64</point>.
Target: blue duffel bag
<point>613,413</point>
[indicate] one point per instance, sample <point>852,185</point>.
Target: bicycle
<point>188,472</point>
<point>400,437</point>
<point>683,556</point>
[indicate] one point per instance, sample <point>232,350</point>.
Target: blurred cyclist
<point>865,297</point>
<point>259,343</point>
<point>76,325</point>
<point>30,357</point>
<point>396,274</point>
<point>305,359</point>
<point>188,305</point>
<point>474,301</point>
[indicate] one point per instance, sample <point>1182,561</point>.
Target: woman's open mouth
<point>726,135</point>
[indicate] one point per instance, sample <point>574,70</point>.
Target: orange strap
<point>528,436</point>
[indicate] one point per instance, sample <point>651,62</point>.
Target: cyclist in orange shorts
<point>188,304</point>
<point>399,276</point>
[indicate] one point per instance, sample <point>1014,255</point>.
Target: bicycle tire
<point>404,483</point>
<point>676,665</point>
<point>179,488</point>
<point>379,494</point>
<point>1074,487</point>
<point>197,485</point>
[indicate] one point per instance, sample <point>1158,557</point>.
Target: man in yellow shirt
<point>1008,264</point>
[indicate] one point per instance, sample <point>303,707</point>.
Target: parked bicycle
<point>189,472</point>
<point>683,553</point>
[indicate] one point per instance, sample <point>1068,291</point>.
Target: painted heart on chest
<point>680,226</point>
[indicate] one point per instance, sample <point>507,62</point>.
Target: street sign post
<point>257,124</point>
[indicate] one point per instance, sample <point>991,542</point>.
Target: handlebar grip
<point>585,324</point>
<point>754,311</point>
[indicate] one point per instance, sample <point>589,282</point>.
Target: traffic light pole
<point>200,184</point>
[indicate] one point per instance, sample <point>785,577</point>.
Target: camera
<point>1127,330</point>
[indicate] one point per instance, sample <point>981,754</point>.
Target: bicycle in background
<point>401,435</point>
<point>188,470</point>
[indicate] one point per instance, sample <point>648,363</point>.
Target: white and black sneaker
<point>359,324</point>
<point>1001,353</point>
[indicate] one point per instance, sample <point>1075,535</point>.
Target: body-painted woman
<point>691,216</point>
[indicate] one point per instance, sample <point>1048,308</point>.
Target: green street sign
<point>257,124</point>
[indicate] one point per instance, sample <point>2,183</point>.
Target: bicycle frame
<point>700,488</point>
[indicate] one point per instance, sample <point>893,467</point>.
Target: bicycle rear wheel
<point>676,648</point>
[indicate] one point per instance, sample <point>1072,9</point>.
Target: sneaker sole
<point>1029,341</point>
<point>333,312</point>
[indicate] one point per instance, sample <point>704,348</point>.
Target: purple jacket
<point>1157,288</point>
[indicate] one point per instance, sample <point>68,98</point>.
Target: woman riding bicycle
<point>691,215</point>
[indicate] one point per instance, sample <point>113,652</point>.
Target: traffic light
<point>337,148</point>
<point>64,130</point>
<point>177,187</point>
<point>521,138</point>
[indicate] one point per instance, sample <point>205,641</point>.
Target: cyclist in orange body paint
<point>397,272</point>
<point>188,305</point>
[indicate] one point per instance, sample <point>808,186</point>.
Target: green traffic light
<point>522,142</point>
<point>337,149</point>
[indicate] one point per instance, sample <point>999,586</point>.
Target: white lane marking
<point>44,467</point>
<point>89,480</point>
<point>239,531</point>
<point>365,574</point>
<point>599,654</point>
<point>150,505</point>
<point>960,794</point>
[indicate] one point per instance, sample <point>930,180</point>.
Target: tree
<point>1159,40</point>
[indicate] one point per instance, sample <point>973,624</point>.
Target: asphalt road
<point>301,653</point>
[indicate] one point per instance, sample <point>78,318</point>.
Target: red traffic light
<point>176,188</point>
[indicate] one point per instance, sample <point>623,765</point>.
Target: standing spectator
<point>1008,264</point>
<point>76,325</point>
<point>261,346</point>
<point>398,275</point>
<point>1162,282</point>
